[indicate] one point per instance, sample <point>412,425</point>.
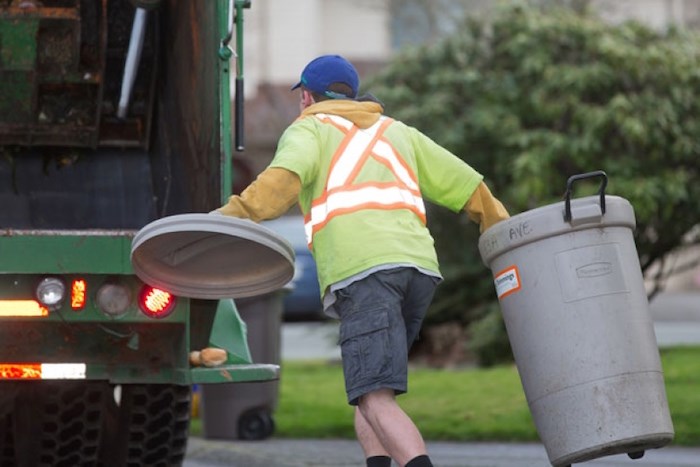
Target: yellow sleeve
<point>484,209</point>
<point>272,193</point>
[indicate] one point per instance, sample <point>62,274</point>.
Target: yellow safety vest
<point>343,195</point>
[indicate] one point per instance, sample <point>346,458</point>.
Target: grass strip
<point>471,404</point>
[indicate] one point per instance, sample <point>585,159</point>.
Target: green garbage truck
<point>113,113</point>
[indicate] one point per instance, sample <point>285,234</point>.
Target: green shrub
<point>488,338</point>
<point>534,96</point>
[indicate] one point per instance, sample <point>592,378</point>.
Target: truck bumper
<point>234,374</point>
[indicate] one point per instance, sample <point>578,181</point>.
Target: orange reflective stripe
<point>341,123</point>
<point>350,154</point>
<point>368,150</point>
<point>342,196</point>
<point>385,154</point>
<point>380,193</point>
<point>342,149</point>
<point>388,196</point>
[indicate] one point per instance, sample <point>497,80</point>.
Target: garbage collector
<point>360,178</point>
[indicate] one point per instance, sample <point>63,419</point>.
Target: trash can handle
<point>569,189</point>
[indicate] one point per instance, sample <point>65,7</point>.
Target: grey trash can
<point>245,410</point>
<point>575,308</point>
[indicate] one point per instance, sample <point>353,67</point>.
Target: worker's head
<point>329,77</point>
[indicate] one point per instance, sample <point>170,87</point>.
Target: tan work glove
<point>272,193</point>
<point>484,209</point>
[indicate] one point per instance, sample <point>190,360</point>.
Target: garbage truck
<point>113,113</point>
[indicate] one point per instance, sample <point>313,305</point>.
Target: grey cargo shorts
<point>380,317</point>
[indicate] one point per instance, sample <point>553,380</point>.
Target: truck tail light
<point>22,308</point>
<point>113,299</point>
<point>156,303</point>
<point>50,292</point>
<point>17,371</point>
<point>78,294</point>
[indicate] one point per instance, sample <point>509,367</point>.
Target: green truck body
<point>93,379</point>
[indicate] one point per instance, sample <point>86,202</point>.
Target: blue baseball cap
<point>325,70</point>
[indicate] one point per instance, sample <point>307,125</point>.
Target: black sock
<point>379,461</point>
<point>420,461</point>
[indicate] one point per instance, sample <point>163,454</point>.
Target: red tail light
<point>156,303</point>
<point>77,294</point>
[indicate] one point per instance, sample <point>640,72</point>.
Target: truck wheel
<point>148,424</point>
<point>255,424</point>
<point>57,423</point>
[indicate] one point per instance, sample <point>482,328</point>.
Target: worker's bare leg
<point>392,428</point>
<point>365,435</point>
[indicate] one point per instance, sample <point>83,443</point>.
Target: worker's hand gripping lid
<point>211,257</point>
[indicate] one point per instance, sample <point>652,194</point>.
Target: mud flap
<point>229,332</point>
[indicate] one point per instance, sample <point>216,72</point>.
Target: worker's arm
<point>272,193</point>
<point>484,209</point>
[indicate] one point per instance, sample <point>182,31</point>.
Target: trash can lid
<point>549,221</point>
<point>211,256</point>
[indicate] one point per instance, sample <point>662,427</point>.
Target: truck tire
<point>56,423</point>
<point>147,425</point>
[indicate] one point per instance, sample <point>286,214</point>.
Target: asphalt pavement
<point>676,322</point>
<point>676,318</point>
<point>344,453</point>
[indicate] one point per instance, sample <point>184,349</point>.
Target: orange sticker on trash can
<point>507,282</point>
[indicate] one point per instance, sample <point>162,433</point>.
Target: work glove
<point>484,209</point>
<point>272,193</point>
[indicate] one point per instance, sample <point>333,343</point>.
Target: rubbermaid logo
<point>594,270</point>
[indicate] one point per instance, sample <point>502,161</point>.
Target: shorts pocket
<point>364,343</point>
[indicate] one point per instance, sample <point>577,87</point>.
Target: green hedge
<point>534,96</point>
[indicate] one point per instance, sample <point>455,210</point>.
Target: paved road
<point>332,453</point>
<point>676,319</point>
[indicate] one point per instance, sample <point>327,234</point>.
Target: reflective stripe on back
<point>342,196</point>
